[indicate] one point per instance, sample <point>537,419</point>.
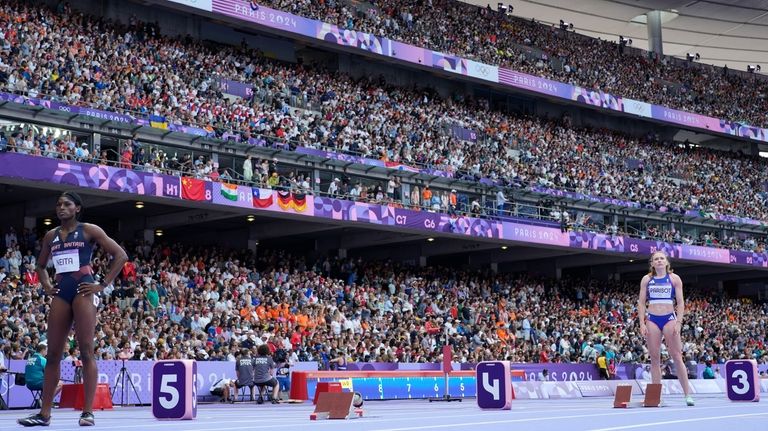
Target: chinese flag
<point>192,189</point>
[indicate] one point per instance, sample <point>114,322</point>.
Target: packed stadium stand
<point>265,188</point>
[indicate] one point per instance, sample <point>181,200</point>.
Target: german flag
<point>292,202</point>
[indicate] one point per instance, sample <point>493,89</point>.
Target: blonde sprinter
<point>663,317</point>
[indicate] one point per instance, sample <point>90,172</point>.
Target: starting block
<point>652,395</point>
<point>623,395</point>
<point>326,387</point>
<point>335,405</point>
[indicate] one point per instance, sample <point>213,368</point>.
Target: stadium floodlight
<point>565,26</point>
<point>752,67</point>
<point>691,57</point>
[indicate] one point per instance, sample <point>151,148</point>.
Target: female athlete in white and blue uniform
<point>663,290</point>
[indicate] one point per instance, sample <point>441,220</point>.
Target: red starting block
<point>326,387</point>
<point>652,395</point>
<point>623,395</point>
<point>335,405</point>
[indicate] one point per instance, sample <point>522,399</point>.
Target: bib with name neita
<point>72,253</point>
<point>66,261</point>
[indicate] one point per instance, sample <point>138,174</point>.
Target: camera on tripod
<point>125,355</point>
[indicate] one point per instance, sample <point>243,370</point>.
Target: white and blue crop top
<point>661,290</point>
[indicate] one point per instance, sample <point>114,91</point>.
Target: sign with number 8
<point>174,389</point>
<point>742,380</point>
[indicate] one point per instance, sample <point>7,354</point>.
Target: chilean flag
<point>262,198</point>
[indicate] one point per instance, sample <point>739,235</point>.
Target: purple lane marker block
<point>494,385</point>
<point>742,380</point>
<point>174,390</point>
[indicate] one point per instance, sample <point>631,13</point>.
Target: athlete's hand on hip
<point>51,290</point>
<point>88,288</point>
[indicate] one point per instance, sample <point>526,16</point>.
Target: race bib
<point>66,261</point>
<point>660,292</point>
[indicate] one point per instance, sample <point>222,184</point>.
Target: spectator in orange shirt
<point>426,196</point>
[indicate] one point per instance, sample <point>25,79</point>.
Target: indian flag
<point>229,191</point>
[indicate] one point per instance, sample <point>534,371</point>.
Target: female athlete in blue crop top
<point>663,290</point>
<point>73,299</point>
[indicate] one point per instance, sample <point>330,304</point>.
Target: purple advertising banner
<point>708,254</point>
<point>416,219</point>
<point>61,107</point>
<point>87,175</point>
<point>647,247</point>
<point>534,83</point>
<point>557,372</point>
<point>35,168</point>
<point>464,134</point>
<point>535,234</point>
<point>236,88</point>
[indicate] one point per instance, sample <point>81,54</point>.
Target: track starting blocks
<point>335,405</point>
<point>652,395</point>
<point>624,395</point>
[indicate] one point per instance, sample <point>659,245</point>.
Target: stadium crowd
<point>176,301</point>
<point>178,80</point>
<point>548,51</point>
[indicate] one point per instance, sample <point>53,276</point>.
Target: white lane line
<point>709,418</point>
<point>271,421</point>
<point>509,421</point>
